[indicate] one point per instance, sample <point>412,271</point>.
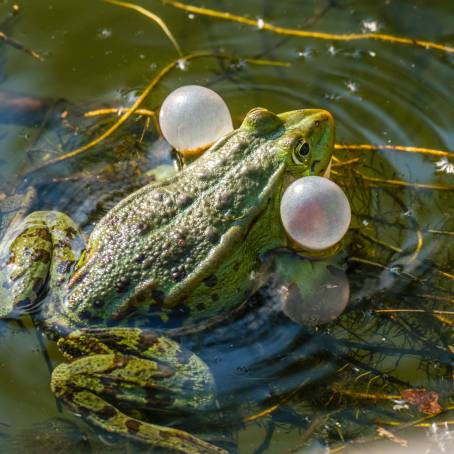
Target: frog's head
<point>303,139</point>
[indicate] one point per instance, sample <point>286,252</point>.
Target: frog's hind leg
<point>35,253</point>
<point>139,370</point>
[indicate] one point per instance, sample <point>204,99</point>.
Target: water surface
<point>98,54</point>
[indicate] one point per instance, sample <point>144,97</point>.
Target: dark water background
<point>380,93</point>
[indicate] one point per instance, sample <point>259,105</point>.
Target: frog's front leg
<point>136,369</point>
<point>35,253</point>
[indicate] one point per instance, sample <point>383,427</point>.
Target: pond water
<point>283,386</point>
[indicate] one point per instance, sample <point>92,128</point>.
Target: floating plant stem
<point>153,17</point>
<point>365,395</point>
<point>421,424</point>
<point>372,181</point>
<point>262,414</point>
<point>380,242</point>
<point>262,25</point>
<point>415,311</point>
<point>13,43</point>
<point>418,248</point>
<point>118,111</point>
<point>419,150</point>
<point>346,162</point>
<point>440,232</point>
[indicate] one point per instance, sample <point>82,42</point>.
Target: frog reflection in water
<point>180,251</point>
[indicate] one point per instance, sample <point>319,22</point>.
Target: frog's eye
<point>300,150</point>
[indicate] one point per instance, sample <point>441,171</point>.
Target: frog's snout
<point>310,122</point>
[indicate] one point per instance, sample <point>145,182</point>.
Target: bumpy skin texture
<point>179,252</point>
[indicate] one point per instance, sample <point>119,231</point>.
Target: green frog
<point>177,253</point>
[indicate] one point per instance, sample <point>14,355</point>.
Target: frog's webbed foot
<point>36,252</point>
<point>138,370</point>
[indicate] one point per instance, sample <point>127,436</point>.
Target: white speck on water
<point>105,33</point>
<point>131,97</point>
<point>191,16</point>
<point>142,56</point>
<point>365,222</point>
<point>182,64</point>
<point>444,166</point>
<point>152,66</point>
<point>260,23</point>
<point>372,53</point>
<point>352,86</point>
<point>371,26</point>
<point>306,53</point>
<point>332,50</point>
<point>400,405</point>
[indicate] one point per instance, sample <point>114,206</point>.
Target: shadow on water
<point>283,386</point>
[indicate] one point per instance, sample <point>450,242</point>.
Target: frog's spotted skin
<point>179,251</point>
<point>44,245</point>
<point>130,366</point>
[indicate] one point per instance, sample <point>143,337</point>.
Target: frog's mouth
<point>318,127</point>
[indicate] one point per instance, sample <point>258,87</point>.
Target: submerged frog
<point>175,253</point>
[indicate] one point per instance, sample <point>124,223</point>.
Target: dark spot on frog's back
<point>122,284</point>
<point>157,398</point>
<point>10,259</point>
<point>98,304</point>
<point>162,434</point>
<point>158,196</point>
<point>214,297</point>
<point>71,233</point>
<point>106,412</point>
<point>140,258</point>
<point>85,315</point>
<point>183,355</point>
<point>212,234</point>
<point>184,200</point>
<point>147,339</point>
<point>158,295</point>
<point>223,200</point>
<point>39,233</point>
<point>41,255</point>
<point>133,426</point>
<point>143,227</point>
<point>211,281</point>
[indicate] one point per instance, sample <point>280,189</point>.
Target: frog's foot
<point>138,370</point>
<point>35,252</point>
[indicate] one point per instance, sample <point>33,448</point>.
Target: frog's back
<point>155,247</point>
